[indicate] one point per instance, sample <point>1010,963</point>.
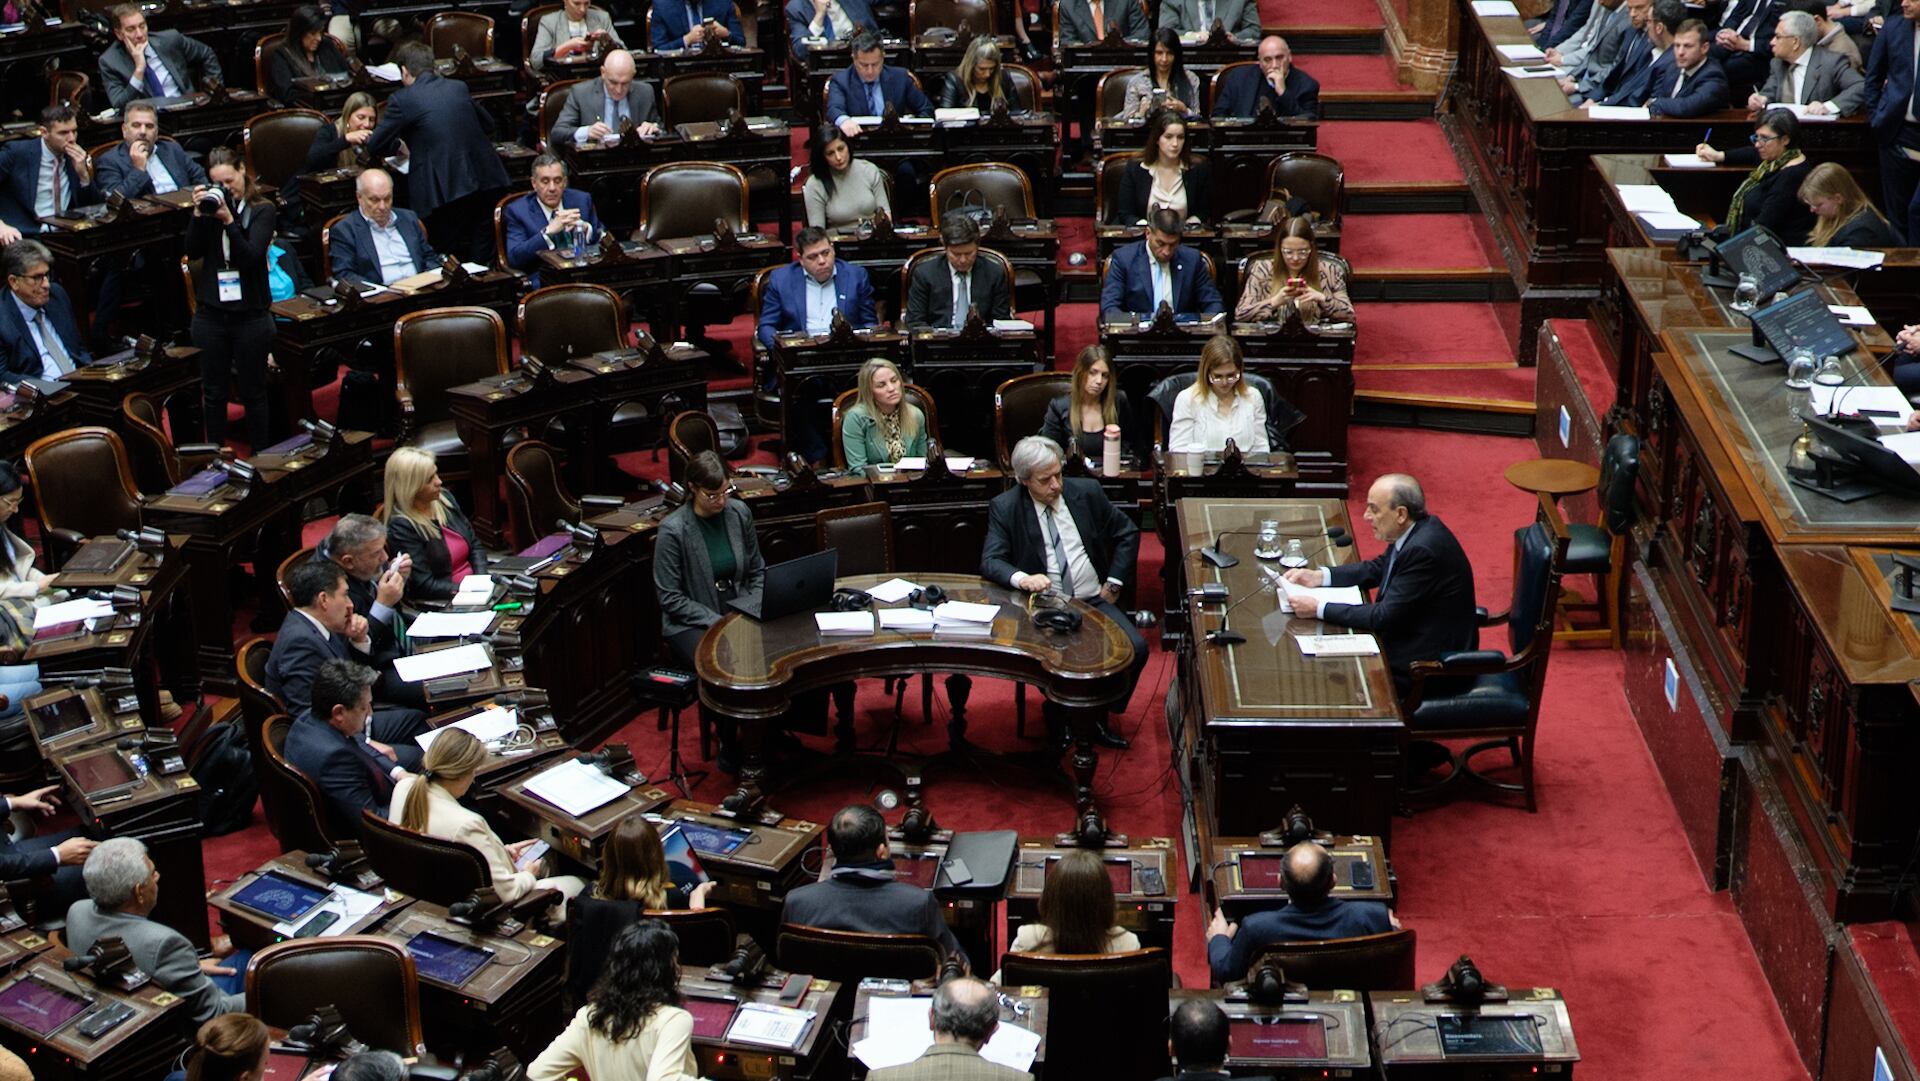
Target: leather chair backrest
<point>1026,85</point>
<point>423,867</point>
<point>1106,1013</point>
<point>1619,467</point>
<point>1534,592</point>
<point>156,467</point>
<point>999,184</point>
<point>1111,91</point>
<point>68,88</point>
<point>924,254</point>
<point>469,30</point>
<point>553,100</point>
<point>705,934</point>
<point>500,228</point>
<point>536,495</point>
<point>530,29</point>
<point>557,321</point>
<point>1282,416</point>
<point>852,956</point>
<point>369,979</point>
<point>1020,407</point>
<point>441,348</point>
<point>681,199</point>
<point>304,825</point>
<point>1382,962</point>
<point>1318,179</point>
<point>924,15</point>
<point>845,401</point>
<point>82,481</point>
<point>699,97</point>
<point>256,702</point>
<point>276,144</point>
<point>1106,185</point>
<point>1220,79</point>
<point>688,434</point>
<point>263,51</point>
<point>285,571</point>
<point>862,534</point>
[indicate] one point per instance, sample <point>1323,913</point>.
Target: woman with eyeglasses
<point>1219,405</point>
<point>1296,277</point>
<point>1166,83</point>
<point>1164,174</point>
<point>979,81</point>
<point>705,555</point>
<point>425,523</point>
<point>1078,419</point>
<point>1770,195</point>
<point>1844,216</point>
<point>882,427</point>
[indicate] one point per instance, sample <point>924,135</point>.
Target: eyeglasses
<point>1756,138</point>
<point>1223,378</point>
<point>718,493</point>
<point>40,277</point>
<point>12,502</point>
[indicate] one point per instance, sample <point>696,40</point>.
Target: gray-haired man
<point>123,887</point>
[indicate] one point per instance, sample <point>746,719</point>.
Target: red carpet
<point>1388,151</point>
<point>1351,73</point>
<point>1393,241</point>
<point>1589,362</point>
<point>1424,333</point>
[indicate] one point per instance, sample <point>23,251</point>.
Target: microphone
<point>77,962</point>
<point>1224,635</point>
<point>1214,555</point>
<point>320,430</point>
<point>581,533</point>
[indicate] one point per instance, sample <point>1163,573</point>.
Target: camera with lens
<point>206,202</point>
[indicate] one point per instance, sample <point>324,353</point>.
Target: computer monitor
<point>1757,251</point>
<point>63,716</point>
<point>452,963</point>
<point>1474,1035</point>
<point>1874,467</point>
<point>1802,321</point>
<point>40,1006</point>
<point>1286,1037</point>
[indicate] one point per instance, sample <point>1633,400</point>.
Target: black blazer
<point>432,576</point>
<point>449,141</point>
<point>1865,230</point>
<point>298,651</point>
<point>954,95</point>
<point>386,647</point>
<point>280,73</point>
<point>351,777</point>
<point>853,902</point>
<point>1427,608</point>
<point>1014,543</point>
<point>1240,94</point>
<point>592,925</point>
<point>1059,426</point>
<point>324,154</point>
<point>1775,201</point>
<point>1136,186</point>
<point>249,236</point>
<point>930,293</point>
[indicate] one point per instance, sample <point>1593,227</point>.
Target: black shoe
<point>1107,737</point>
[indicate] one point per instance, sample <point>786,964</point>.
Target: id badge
<point>229,286</point>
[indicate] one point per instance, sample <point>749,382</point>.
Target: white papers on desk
<point>771,1026</point>
<point>1323,594</point>
<point>495,723</point>
<point>1851,258</point>
<point>450,624</point>
<point>386,73</point>
<point>1646,198</point>
<point>1801,111</point>
<point>1619,112</point>
<point>955,465</point>
<point>906,619</point>
<point>1012,324</point>
<point>1853,315</point>
<point>898,1033</point>
<point>70,611</point>
<point>442,662</point>
<point>343,901</point>
<point>1521,54</point>
<point>1686,161</point>
<point>1667,221</point>
<point>866,121</point>
<point>839,624</point>
<point>965,612</point>
<point>892,591</point>
<point>1493,9</point>
<point>1535,71</point>
<point>1856,397</point>
<point>1905,444</point>
<point>957,116</point>
<point>575,787</point>
<point>1338,645</point>
<point>474,589</point>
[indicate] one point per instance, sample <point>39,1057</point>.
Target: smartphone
<point>532,855</point>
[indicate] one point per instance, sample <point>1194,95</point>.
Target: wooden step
<point>1410,197</point>
<point>1376,104</point>
<point>1438,412</point>
<point>1484,283</point>
<point>1322,40</point>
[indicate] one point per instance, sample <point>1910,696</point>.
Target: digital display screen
<point>683,866</point>
<point>279,897</point>
<point>284,1067</point>
<point>1119,872</point>
<point>1483,1036</point>
<point>102,774</point>
<point>57,718</point>
<point>443,959</point>
<point>1277,1038</point>
<point>1261,872</point>
<point>711,1016</point>
<point>712,840</point>
<point>39,1006</point>
<point>918,871</point>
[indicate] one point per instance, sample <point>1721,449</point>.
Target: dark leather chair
<point>682,199</point>
<point>705,934</point>
<point>500,230</point>
<point>845,401</point>
<point>1282,416</point>
<point>536,495</point>
<point>852,956</point>
<point>1026,85</point>
<point>925,254</point>
<point>434,351</point>
<point>68,88</point>
<point>688,434</point>
<point>1106,1013</point>
<point>1382,962</point>
<point>276,144</point>
<point>863,534</point>
<point>1220,78</point>
<point>700,97</point>
<point>766,390</point>
<point>998,185</point>
<point>530,33</point>
<point>1020,407</point>
<point>159,465</point>
<point>1601,549</point>
<point>1488,695</point>
<point>285,570</point>
<point>1318,179</point>
<point>1110,93</point>
<point>428,868</point>
<point>560,321</point>
<point>925,15</point>
<point>82,486</point>
<point>369,979</point>
<point>256,702</point>
<point>303,821</point>
<point>269,44</point>
<point>552,100</point>
<point>472,32</point>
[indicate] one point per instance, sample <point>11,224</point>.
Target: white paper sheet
<point>1667,221</point>
<point>844,623</point>
<point>68,611</point>
<point>965,612</point>
<point>1853,258</point>
<point>1012,324</point>
<point>1853,315</point>
<point>450,624</point>
<point>1534,71</point>
<point>389,73</point>
<point>493,724</point>
<point>898,1034</point>
<point>957,465</point>
<point>906,619</point>
<point>1801,111</point>
<point>892,591</point>
<point>442,662</point>
<point>1338,645</point>
<point>1854,398</point>
<point>957,116</point>
<point>1493,9</point>
<point>1905,444</point>
<point>1619,112</point>
<point>477,584</point>
<point>1687,161</point>
<point>1645,198</point>
<point>769,1025</point>
<point>1327,594</point>
<point>1521,54</point>
<point>575,787</point>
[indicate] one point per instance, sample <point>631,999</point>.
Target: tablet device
<point>712,840</point>
<point>1261,872</point>
<point>683,865</point>
<point>452,963</point>
<point>284,1066</point>
<point>40,1007</point>
<point>62,716</point>
<point>918,871</point>
<point>1119,872</point>
<point>1282,1037</point>
<point>102,775</point>
<point>711,1016</point>
<point>279,897</point>
<point>1475,1035</point>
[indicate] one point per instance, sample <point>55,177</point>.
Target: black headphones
<point>927,597</point>
<point>1058,620</point>
<point>850,600</point>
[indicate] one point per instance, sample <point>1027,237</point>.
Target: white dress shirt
<point>821,304</point>
<point>1200,427</point>
<point>168,88</point>
<point>396,262</point>
<point>43,202</point>
<point>162,180</point>
<point>1086,580</point>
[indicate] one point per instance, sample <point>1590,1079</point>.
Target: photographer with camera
<point>227,241</point>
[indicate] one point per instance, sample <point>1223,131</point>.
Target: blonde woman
<point>332,148</point>
<point>882,427</point>
<point>1219,405</point>
<point>424,523</point>
<point>979,81</point>
<point>429,803</point>
<point>1843,215</point>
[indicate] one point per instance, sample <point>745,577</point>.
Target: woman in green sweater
<point>882,427</point>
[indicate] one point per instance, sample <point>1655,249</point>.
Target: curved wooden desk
<point>751,671</point>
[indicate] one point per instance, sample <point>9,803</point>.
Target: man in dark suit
<point>164,65</point>
<point>1064,535</point>
<point>375,584</point>
<point>1240,17</point>
<point>330,743</point>
<point>1685,81</point>
<point>1158,270</point>
<point>827,20</point>
<point>1198,1035</point>
<point>595,108</point>
<point>1276,83</point>
<point>1560,22</point>
<point>1311,914</point>
<point>1083,22</point>
<point>323,626</point>
<point>683,25</point>
<point>1632,85</point>
<point>379,243</point>
<point>1890,111</point>
<point>1423,603</point>
<point>38,333</point>
<point>1743,43</point>
<point>44,177</point>
<point>870,86</point>
<point>57,854</point>
<point>941,290</point>
<point>144,163</point>
<point>861,893</point>
<point>1635,54</point>
<point>543,219</point>
<point>1803,73</point>
<point>455,175</point>
<point>802,296</point>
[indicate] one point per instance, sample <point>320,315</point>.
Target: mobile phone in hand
<point>532,855</point>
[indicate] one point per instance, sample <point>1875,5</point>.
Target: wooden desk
<point>816,1057</point>
<point>140,1048</point>
<point>252,931</point>
<point>487,411</point>
<point>171,375</point>
<point>160,811</point>
<point>1404,1030</point>
<point>612,174</point>
<point>1176,477</point>
<point>813,369</point>
<point>1148,913</point>
<point>730,266</point>
<point>1262,726</point>
<point>93,241</point>
<point>222,528</point>
<point>1243,873</point>
<point>939,523</point>
<point>1032,248</point>
<point>161,628</point>
<point>512,1000</point>
<point>578,838</point>
<point>1343,1015</point>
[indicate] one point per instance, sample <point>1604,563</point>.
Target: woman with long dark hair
<point>1165,83</point>
<point>1770,195</point>
<point>632,1027</point>
<point>1164,175</point>
<point>841,189</point>
<point>306,51</point>
<point>1295,277</point>
<point>1078,419</point>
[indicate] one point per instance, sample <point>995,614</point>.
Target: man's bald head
<point>1307,873</point>
<point>375,191</point>
<point>966,1010</point>
<point>616,74</point>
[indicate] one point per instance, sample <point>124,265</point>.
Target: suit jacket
<point>351,776</point>
<point>18,354</point>
<point>328,60</point>
<point>587,105</point>
<point>1758,18</point>
<point>1136,189</point>
<point>1597,41</point>
<point>783,303</point>
<point>1829,78</point>
<point>298,651</point>
<point>1629,81</point>
<point>432,576</point>
<point>386,645</point>
<point>930,292</point>
<point>354,258</point>
<point>955,95</point>
<point>949,1062</point>
<point>1059,426</point>
<point>1014,543</point>
<point>244,242</point>
<point>683,577</point>
<point>450,140</point>
<point>671,25</point>
<point>1242,91</point>
<point>20,176</point>
<point>847,95</point>
<point>1241,17</point>
<point>1865,230</point>
<point>1076,21</point>
<point>161,952</point>
<point>1333,918</point>
<point>1889,81</point>
<point>1427,607</point>
<point>186,60</point>
<point>873,902</point>
<point>1705,90</point>
<point>527,227</point>
<point>800,14</point>
<point>552,32</point>
<point>1128,289</point>
<point>114,171</point>
<point>1571,16</point>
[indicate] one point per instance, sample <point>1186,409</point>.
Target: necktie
<point>1162,289</point>
<point>1059,550</point>
<point>1386,576</point>
<point>382,782</point>
<point>56,348</point>
<point>1678,83</point>
<point>962,296</point>
<point>826,29</point>
<point>57,170</point>
<point>1559,16</point>
<point>153,77</point>
<point>1099,20</point>
<point>1793,83</point>
<point>1206,15</point>
<point>874,101</point>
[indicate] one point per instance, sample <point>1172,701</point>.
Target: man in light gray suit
<point>1240,17</point>
<point>1597,41</point>
<point>595,107</point>
<point>1802,73</point>
<point>123,886</point>
<point>964,1013</point>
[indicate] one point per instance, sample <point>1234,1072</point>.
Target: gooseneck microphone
<point>1225,635</point>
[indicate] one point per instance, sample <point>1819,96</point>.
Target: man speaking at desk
<point>1064,535</point>
<point>1423,584</point>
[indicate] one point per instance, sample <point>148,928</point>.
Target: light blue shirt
<point>396,262</point>
<point>168,88</point>
<point>43,204</point>
<point>821,304</point>
<point>1162,282</point>
<point>162,180</point>
<point>615,110</point>
<point>31,317</point>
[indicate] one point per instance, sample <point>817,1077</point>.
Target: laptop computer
<point>798,585</point>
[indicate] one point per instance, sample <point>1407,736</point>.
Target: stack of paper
<point>450,624</point>
<point>1619,112</point>
<point>965,618</point>
<point>495,723</point>
<point>1686,161</point>
<point>906,619</point>
<point>575,787</point>
<point>1521,54</point>
<point>892,591</point>
<point>1851,258</point>
<point>1325,594</point>
<point>1667,221</point>
<point>897,1033</point>
<point>442,662</point>
<point>771,1026</point>
<point>474,589</point>
<point>1862,399</point>
<point>1853,315</point>
<point>1642,198</point>
<point>1493,9</point>
<point>70,611</point>
<point>844,623</point>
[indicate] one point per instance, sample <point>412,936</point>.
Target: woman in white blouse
<point>1219,405</point>
<point>23,589</point>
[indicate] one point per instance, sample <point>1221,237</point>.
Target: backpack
<point>223,768</point>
